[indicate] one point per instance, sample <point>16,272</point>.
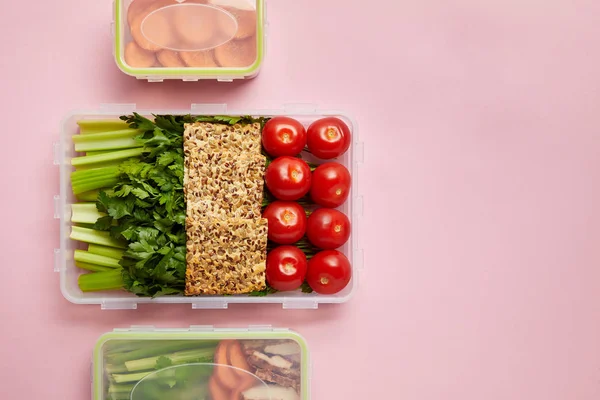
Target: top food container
<point>79,132</point>
<point>189,39</point>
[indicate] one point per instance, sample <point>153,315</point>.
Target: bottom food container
<point>201,363</point>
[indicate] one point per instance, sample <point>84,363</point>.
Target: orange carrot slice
<point>236,358</point>
<point>170,59</point>
<point>137,57</point>
<point>225,375</point>
<point>198,59</point>
<point>217,392</point>
<point>237,53</point>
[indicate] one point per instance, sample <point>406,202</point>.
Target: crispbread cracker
<point>224,184</point>
<point>212,138</point>
<point>225,256</point>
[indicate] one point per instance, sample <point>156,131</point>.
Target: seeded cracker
<point>230,257</point>
<point>223,184</point>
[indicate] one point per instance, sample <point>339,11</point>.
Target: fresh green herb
<point>264,292</point>
<point>306,288</point>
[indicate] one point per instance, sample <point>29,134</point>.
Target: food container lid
<point>189,39</point>
<point>257,363</point>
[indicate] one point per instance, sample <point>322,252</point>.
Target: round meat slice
<point>170,59</point>
<point>136,8</point>
<point>246,20</point>
<point>237,53</point>
<point>158,27</point>
<point>198,59</point>
<point>137,57</point>
<point>194,35</point>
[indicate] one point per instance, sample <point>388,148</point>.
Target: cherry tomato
<point>286,268</point>
<point>329,272</point>
<point>287,221</point>
<point>288,178</point>
<point>328,138</point>
<point>283,136</point>
<point>327,228</point>
<point>330,185</point>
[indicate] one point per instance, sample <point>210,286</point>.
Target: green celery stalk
<point>88,174</point>
<point>93,153</point>
<point>89,258</point>
<point>180,357</point>
<point>124,378</point>
<point>115,144</point>
<point>125,388</point>
<point>87,126</point>
<point>96,237</point>
<point>92,267</point>
<point>106,136</point>
<point>105,251</point>
<point>115,369</point>
<point>92,195</point>
<point>85,213</point>
<point>103,158</point>
<point>86,186</point>
<point>158,349</point>
<point>96,281</point>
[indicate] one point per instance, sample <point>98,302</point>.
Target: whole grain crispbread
<point>225,256</point>
<point>215,138</point>
<point>224,184</point>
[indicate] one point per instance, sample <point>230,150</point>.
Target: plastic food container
<point>189,39</point>
<point>64,151</point>
<point>257,363</point>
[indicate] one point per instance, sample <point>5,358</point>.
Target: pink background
<point>481,183</point>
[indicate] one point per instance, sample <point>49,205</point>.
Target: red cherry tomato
<point>327,228</point>
<point>288,178</point>
<point>329,272</point>
<point>328,138</point>
<point>287,221</point>
<point>283,136</point>
<point>286,268</point>
<point>330,185</point>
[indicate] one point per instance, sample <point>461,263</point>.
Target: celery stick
<point>115,369</point>
<point>105,251</point>
<point>87,126</point>
<point>94,184</point>
<point>114,163</point>
<point>89,258</point>
<point>106,136</point>
<point>96,281</point>
<point>85,213</point>
<point>158,349</point>
<point>125,388</point>
<point>81,175</point>
<point>93,153</point>
<point>96,237</point>
<point>92,195</point>
<point>179,357</point>
<point>102,158</point>
<point>114,144</point>
<point>124,378</point>
<point>92,267</point>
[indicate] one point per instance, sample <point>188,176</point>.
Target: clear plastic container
<point>257,363</point>
<point>64,151</point>
<point>189,39</point>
